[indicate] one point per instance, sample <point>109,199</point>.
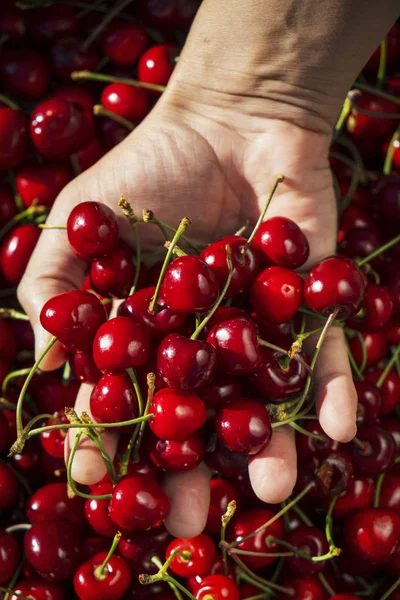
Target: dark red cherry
<point>275,381</point>
<point>113,400</point>
<point>74,318</point>
<point>374,451</point>
<point>305,588</point>
<point>13,23</point>
<point>280,241</point>
<point>111,133</point>
<point>343,597</point>
<point>53,441</point>
<point>123,43</point>
<point>369,402</point>
<point>354,217</point>
<point>24,73</point>
<point>221,390</point>
<point>4,433</point>
<point>98,511</point>
<point>138,503</point>
<point>160,323</point>
<point>171,15</point>
<point>223,313</point>
<point>92,230</point>
<point>368,126</point>
<point>50,394</point>
<point>217,587</point>
<point>133,546</point>
<point>217,568</point>
<point>16,250</point>
<point>359,494</point>
<point>373,534</point>
<point>189,286</point>
<point>389,496</point>
<point>235,342</point>
<point>127,101</point>
<point>310,541</point>
<point>390,389</point>
<point>60,128</point>
<point>394,290</point>
<point>13,137</point>
<point>335,283</point>
<point>361,242</point>
<point>51,22</point>
<point>225,462</point>
<point>176,456</point>
<point>53,549</point>
<point>113,274</point>
<point>393,332</point>
<point>186,364</point>
<point>221,493</point>
<point>332,470</point>
<point>176,414</point>
<point>10,556</point>
<point>307,445</point>
<point>8,486</point>
<point>375,347</point>
<point>156,65</point>
<point>246,523</point>
<point>244,426</point>
<point>392,424</point>
<point>8,343</point>
<point>111,585</point>
<point>277,294</point>
<point>67,55</point>
<point>52,503</point>
<point>85,368</point>
<point>202,550</point>
<point>245,266</point>
<point>89,155</point>
<point>8,208</point>
<point>75,93</point>
<point>378,308</point>
<point>42,183</point>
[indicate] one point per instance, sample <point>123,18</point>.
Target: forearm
<point>300,56</point>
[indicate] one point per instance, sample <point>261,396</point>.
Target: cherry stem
<point>163,575</point>
<point>28,212</point>
<point>19,527</point>
<point>9,591</point>
<point>267,585</point>
<point>353,363</point>
<point>89,8</point>
<point>329,555</point>
<point>11,313</point>
<point>157,562</point>
<point>91,76</point>
<point>303,431</point>
<point>377,114</point>
<point>22,481</point>
<point>44,226</point>
<point>326,584</point>
<point>260,554</point>
<point>100,111</point>
<point>243,576</point>
<point>132,218</point>
<point>107,19</point>
<point>379,251</point>
<point>14,580</point>
<point>279,179</point>
<point>302,515</point>
<point>67,372</point>
<point>329,523</point>
<point>225,520</point>
<point>10,103</point>
<point>272,347</point>
<point>183,225</point>
<point>71,482</point>
<point>149,217</point>
<point>388,368</point>
<point>387,167</point>
<point>258,596</point>
<point>10,377</point>
<point>99,572</point>
<point>206,319</point>
<point>390,590</point>
<point>380,77</point>
<point>346,110</point>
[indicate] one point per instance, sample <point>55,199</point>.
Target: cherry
<point>244,426</point>
<point>52,503</point>
<point>221,390</point>
<point>376,453</point>
<point>4,441</point>
<point>24,73</point>
<point>332,470</point>
<point>373,534</point>
<point>10,556</point>
<point>392,51</point>
<point>85,368</point>
<point>305,588</point>
<point>171,15</point>
<point>75,93</point>
<point>92,230</point>
<point>375,346</point>
<point>138,503</point>
<point>276,381</point>
<point>202,552</point>
<point>35,587</point>
<point>390,389</point>
<point>113,274</point>
<point>49,23</point>
<point>245,266</point>
<point>51,394</point>
<point>13,137</point>
<point>53,549</point>
<point>335,283</point>
<point>235,342</point>
<point>354,217</point>
<point>176,414</point>
<point>113,399</point>
<point>280,241</point>
<point>361,242</point>
<point>8,208</point>
<point>307,445</point>
<point>277,294</point>
<point>310,541</point>
<point>359,494</point>
<point>378,307</point>
<point>124,43</point>
<point>74,318</point>
<point>344,597</point>
<point>16,250</point>
<point>41,183</point>
<point>156,65</point>
<point>393,332</point>
<point>89,155</point>
<point>120,344</point>
<point>160,323</point>
<point>110,584</point>
<point>98,511</point>
<point>53,441</point>
<point>368,126</point>
<point>392,424</point>
<point>369,401</point>
<point>8,486</point>
<point>67,55</point>
<point>127,101</point>
<point>8,343</point>
<point>394,290</point>
<point>60,128</point>
<point>225,462</point>
<point>246,523</point>
<point>221,493</point>
<point>389,496</point>
<point>13,23</point>
<point>111,133</point>
<point>175,456</point>
<point>186,364</point>
<point>222,313</point>
<point>217,587</point>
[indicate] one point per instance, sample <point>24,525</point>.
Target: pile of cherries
<point>205,356</point>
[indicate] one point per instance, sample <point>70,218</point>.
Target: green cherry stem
<point>225,520</point>
<point>8,102</point>
<point>390,590</point>
<point>302,515</point>
<point>258,596</point>
<point>163,575</point>
<point>90,76</point>
<point>10,377</point>
<point>303,431</point>
<point>267,585</point>
<point>346,110</point>
<point>103,24</point>
<point>243,576</point>
<point>11,313</point>
<point>394,143</point>
<point>44,226</point>
<point>380,77</point>
<point>100,571</point>
<point>29,212</point>
<point>354,366</point>
<point>379,483</point>
<point>326,584</point>
<point>9,591</point>
<point>14,580</point>
<point>133,220</point>
<point>71,482</point>
<point>388,368</point>
<point>136,387</point>
<point>157,562</point>
<point>329,523</point>
<point>328,556</point>
<point>100,111</point>
<point>149,217</point>
<point>379,251</point>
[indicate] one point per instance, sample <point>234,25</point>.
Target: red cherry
<point>368,126</point>
<point>307,445</point>
<point>52,22</point>
<point>393,332</point>
<point>335,282</point>
<point>354,217</point>
<point>52,503</point>
<point>13,137</point>
<point>225,462</point>
<point>389,496</point>
<point>202,552</point>
<point>114,400</point>
<point>113,274</point>
<point>392,424</point>
<point>120,344</point>
<point>344,597</point>
<point>10,556</point>
<point>53,549</point>
<point>98,511</point>
<point>67,55</point>
<point>171,14</point>
<point>223,313</point>
<point>275,381</point>
<point>378,307</point>
<point>280,241</point>
<point>13,23</point>
<point>186,364</point>
<point>111,133</point>
<point>89,155</point>
<point>36,587</point>
<point>74,318</point>
<point>138,503</point>
<point>4,434</point>
<point>176,456</point>
<point>305,588</point>
<point>8,486</point>
<point>24,73</point>
<point>277,294</point>
<point>75,93</point>
<point>310,541</point>
<point>127,101</point>
<point>373,534</point>
<point>16,250</point>
<point>221,390</point>
<point>217,587</point>
<point>235,341</point>
<point>60,128</point>
<point>244,426</point>
<point>85,368</point>
<point>359,494</point>
<point>53,441</point>
<point>375,346</point>
<point>221,493</point>
<point>8,346</point>
<point>41,183</point>
<point>8,208</point>
<point>156,65</point>
<point>377,452</point>
<point>176,415</point>
<point>394,290</point>
<point>361,242</point>
<point>92,230</point>
<point>111,585</point>
<point>390,389</point>
<point>369,402</point>
<point>124,43</point>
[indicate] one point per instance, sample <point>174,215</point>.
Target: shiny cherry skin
<point>373,534</point>
<point>98,511</point>
<point>53,442</point>
<point>389,496</point>
<point>67,55</point>
<point>111,586</point>
<point>120,343</point>
<point>307,445</point>
<point>217,587</point>
<point>202,550</point>
<point>176,414</point>
<point>127,508</point>
<point>16,250</point>
<point>354,217</point>
<point>60,128</point>
<point>87,156</point>
<point>221,390</point>
<point>84,367</point>
<point>359,494</point>
<point>378,451</point>
<point>156,65</point>
<point>113,274</point>
<point>52,22</point>
<point>189,286</point>
<point>305,588</point>
<point>244,426</point>
<point>186,364</point>
<point>311,541</point>
<point>24,73</point>
<point>217,568</point>
<point>175,456</point>
<point>247,522</point>
<point>223,313</point>
<point>123,43</point>
<point>245,267</point>
<point>335,283</point>
<point>13,137</point>
<point>113,400</point>
<point>393,332</point>
<point>53,549</point>
<point>390,389</point>
<point>127,101</point>
<point>41,183</point>
<point>360,242</point>
<point>8,208</point>
<point>92,230</point>
<point>221,493</point>
<point>277,294</point>
<point>235,342</point>
<point>75,93</point>
<point>111,133</point>
<point>74,318</point>
<point>375,345</point>
<point>363,126</point>
<point>378,307</point>
<point>275,382</point>
<point>392,424</point>
<point>280,241</point>
<point>8,486</point>
<point>52,503</point>
<point>35,587</point>
<point>331,470</point>
<point>369,402</point>
<point>225,462</point>
<point>10,556</point>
